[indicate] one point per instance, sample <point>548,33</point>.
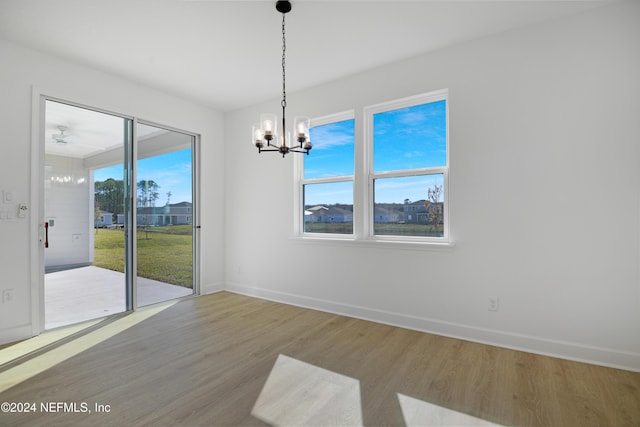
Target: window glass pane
<point>332,153</point>
<point>410,138</point>
<point>164,215</point>
<point>409,206</point>
<point>328,208</point>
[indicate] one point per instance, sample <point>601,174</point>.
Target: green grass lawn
<point>164,253</point>
<point>425,230</point>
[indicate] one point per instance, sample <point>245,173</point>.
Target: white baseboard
<point>531,344</point>
<point>211,288</point>
<point>17,333</point>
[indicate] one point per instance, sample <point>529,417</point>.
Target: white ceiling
<point>88,133</point>
<point>226,54</point>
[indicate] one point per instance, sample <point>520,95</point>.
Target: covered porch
<point>85,293</point>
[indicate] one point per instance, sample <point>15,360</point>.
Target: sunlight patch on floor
<point>38,364</point>
<point>298,393</point>
<point>30,345</point>
<point>417,412</point>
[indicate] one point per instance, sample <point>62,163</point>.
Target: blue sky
<point>388,190</point>
<point>171,171</point>
<point>410,138</point>
<point>329,193</point>
<point>395,190</point>
<point>406,138</point>
<point>332,152</point>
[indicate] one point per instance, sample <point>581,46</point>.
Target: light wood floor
<point>205,360</point>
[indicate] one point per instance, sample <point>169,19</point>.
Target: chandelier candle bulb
<point>257,136</point>
<point>302,128</point>
<point>268,126</point>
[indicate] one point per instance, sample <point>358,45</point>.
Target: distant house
<point>332,213</point>
<point>422,212</point>
<point>106,220</point>
<point>419,212</point>
<point>387,215</point>
<point>173,214</point>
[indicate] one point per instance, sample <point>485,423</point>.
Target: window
<point>408,167</point>
<point>396,189</point>
<point>327,177</point>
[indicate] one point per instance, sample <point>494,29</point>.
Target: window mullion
<point>410,172</point>
<point>344,178</point>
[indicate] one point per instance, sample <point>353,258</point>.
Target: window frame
<point>363,179</point>
<point>369,112</point>
<point>301,181</point>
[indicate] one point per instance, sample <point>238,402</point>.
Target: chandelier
<point>267,132</point>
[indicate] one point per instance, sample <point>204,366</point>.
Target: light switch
<point>8,196</point>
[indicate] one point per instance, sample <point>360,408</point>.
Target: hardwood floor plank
<point>205,361</point>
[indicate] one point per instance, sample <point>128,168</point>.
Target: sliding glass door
<point>84,206</point>
<point>119,214</point>
<point>164,214</point>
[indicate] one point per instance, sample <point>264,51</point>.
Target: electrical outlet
<point>7,296</point>
<point>494,304</point>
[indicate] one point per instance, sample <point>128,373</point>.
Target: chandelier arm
<point>300,150</point>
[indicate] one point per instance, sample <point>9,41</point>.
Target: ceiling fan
<point>67,144</point>
<point>60,137</point>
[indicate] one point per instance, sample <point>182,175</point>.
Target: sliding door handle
<point>46,234</point>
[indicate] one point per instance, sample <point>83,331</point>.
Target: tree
<point>147,196</point>
<point>97,216</point>
<point>147,193</point>
<point>109,195</point>
<point>434,207</point>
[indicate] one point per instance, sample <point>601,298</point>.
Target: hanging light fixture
<point>267,132</point>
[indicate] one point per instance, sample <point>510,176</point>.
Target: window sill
<point>377,242</point>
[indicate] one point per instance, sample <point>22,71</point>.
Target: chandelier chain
<point>284,49</point>
<point>267,136</point>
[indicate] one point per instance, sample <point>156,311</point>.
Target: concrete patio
<point>85,293</point>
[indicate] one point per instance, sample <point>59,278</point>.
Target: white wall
<point>545,195</point>
<point>22,69</point>
<point>68,203</point>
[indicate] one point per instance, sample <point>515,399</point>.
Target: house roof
<point>317,208</point>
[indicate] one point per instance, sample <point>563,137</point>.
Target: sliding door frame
<point>195,191</point>
<point>37,229</point>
